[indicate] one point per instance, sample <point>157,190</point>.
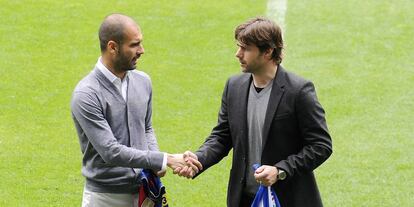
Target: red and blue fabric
<point>152,191</point>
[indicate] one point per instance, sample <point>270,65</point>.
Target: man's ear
<point>268,53</point>
<point>113,47</point>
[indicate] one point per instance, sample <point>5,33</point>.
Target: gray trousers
<point>94,199</point>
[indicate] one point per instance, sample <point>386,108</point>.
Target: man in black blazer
<point>271,117</point>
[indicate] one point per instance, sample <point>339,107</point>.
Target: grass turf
<point>357,53</point>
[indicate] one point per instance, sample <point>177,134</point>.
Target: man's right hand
<point>192,168</point>
<point>186,163</point>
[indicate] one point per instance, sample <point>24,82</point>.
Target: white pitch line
<point>276,10</point>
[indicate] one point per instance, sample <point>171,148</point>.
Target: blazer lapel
<point>243,94</point>
<point>274,100</point>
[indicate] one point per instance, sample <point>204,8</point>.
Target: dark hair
<point>263,33</point>
<point>112,28</point>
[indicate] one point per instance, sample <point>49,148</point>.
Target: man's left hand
<point>161,173</point>
<point>266,175</point>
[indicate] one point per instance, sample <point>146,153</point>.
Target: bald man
<point>112,110</point>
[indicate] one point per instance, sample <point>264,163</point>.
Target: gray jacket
<point>115,135</point>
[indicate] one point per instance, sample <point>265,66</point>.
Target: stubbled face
<point>130,50</point>
<point>250,58</point>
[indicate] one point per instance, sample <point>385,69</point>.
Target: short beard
<point>249,69</point>
<point>253,67</point>
<point>122,63</point>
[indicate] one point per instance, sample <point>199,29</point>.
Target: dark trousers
<point>246,200</point>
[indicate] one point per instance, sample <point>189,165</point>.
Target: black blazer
<point>295,134</point>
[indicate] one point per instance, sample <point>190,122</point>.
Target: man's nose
<point>141,50</point>
<point>238,53</point>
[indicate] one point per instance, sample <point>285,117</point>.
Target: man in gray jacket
<point>112,110</point>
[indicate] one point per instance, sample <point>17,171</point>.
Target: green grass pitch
<point>358,54</point>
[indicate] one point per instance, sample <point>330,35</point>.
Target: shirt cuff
<point>164,162</point>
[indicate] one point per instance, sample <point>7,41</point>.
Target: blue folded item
<point>152,191</point>
<point>265,196</point>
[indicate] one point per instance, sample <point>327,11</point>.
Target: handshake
<point>185,165</point>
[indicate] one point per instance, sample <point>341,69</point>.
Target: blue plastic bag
<point>265,196</point>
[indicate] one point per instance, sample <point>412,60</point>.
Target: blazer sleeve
<point>317,144</point>
<point>219,143</point>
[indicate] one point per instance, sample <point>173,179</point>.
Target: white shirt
<point>122,86</point>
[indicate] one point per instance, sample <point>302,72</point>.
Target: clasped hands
<point>185,165</point>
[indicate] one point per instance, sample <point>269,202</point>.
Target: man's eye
<point>136,44</point>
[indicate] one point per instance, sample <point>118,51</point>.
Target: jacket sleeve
<point>88,115</point>
<point>219,143</point>
<point>317,144</point>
